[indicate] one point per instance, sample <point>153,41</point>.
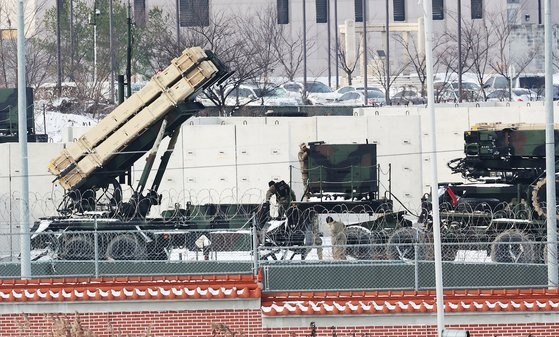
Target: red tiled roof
<point>130,288</point>
<point>379,302</point>
<point>210,287</point>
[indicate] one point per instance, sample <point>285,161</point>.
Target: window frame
<point>140,13</point>
<point>321,11</point>
<point>399,4</point>
<point>282,12</point>
<point>194,13</point>
<point>358,10</point>
<point>438,9</point>
<point>476,7</point>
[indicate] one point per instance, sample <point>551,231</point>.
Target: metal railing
<point>294,261</point>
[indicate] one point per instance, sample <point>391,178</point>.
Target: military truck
<point>502,208</point>
<point>343,182</point>
<point>94,169</point>
<point>9,119</point>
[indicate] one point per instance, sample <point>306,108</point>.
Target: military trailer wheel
<point>404,243</point>
<point>359,243</point>
<point>449,249</point>
<point>513,246</point>
<point>77,247</point>
<point>126,247</point>
<point>539,196</point>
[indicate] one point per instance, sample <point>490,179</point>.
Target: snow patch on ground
<point>57,123</point>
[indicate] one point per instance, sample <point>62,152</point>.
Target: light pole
<point>365,85</point>
<point>304,49</point>
<point>93,21</point>
<point>459,12</point>
<point>329,45</point>
<point>337,42</point>
<point>387,90</point>
<point>111,52</point>
<point>58,53</point>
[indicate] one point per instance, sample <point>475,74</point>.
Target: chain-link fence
<point>296,261</point>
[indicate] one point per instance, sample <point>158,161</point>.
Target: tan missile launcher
<point>178,82</point>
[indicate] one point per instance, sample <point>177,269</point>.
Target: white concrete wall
<point>229,160</point>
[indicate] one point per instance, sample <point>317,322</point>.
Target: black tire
<point>77,247</point>
<point>126,247</point>
<point>513,246</point>
<point>359,243</point>
<point>404,242</point>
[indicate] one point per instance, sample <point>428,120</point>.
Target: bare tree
<point>244,44</point>
<point>378,68</point>
<point>37,58</point>
<point>477,40</point>
<point>348,64</point>
<point>289,51</point>
<point>416,56</point>
<point>502,59</point>
<point>158,41</point>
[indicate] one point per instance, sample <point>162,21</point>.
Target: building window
<point>194,13</point>
<point>358,10</point>
<point>321,11</point>
<point>438,10</point>
<point>283,12</point>
<point>399,10</point>
<point>477,9</point>
<point>140,13</point>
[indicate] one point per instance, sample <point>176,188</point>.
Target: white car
<point>357,97</point>
<point>317,92</point>
<point>517,95</point>
<point>277,96</point>
<point>252,95</point>
<point>328,98</point>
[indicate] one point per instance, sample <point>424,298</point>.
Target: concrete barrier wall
<point>231,159</point>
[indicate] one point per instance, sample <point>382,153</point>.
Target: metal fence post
<point>254,245</point>
<point>96,248</point>
<point>416,266</point>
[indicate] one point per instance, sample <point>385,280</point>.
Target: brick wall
<point>198,323</point>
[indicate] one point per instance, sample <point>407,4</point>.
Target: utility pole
<point>93,21</point>
<point>387,93</point>
<point>304,50</point>
<point>329,46</point>
<point>111,51</point>
<point>25,239</point>
<point>129,54</point>
<point>178,25</point>
<point>459,11</point>
<point>58,53</point>
<point>365,84</point>
<point>72,43</point>
<point>337,42</point>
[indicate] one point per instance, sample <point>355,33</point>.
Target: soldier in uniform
<point>339,238</point>
<point>284,195</point>
<point>313,239</point>
<point>303,155</point>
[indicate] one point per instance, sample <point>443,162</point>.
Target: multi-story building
<point>515,27</point>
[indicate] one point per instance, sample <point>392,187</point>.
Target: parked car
<point>328,98</point>
<point>357,97</point>
<point>294,89</point>
<point>495,82</point>
<point>204,99</point>
<point>241,95</point>
<point>448,92</point>
<point>407,97</point>
<point>517,95</point>
<point>276,96</point>
<point>317,92</point>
